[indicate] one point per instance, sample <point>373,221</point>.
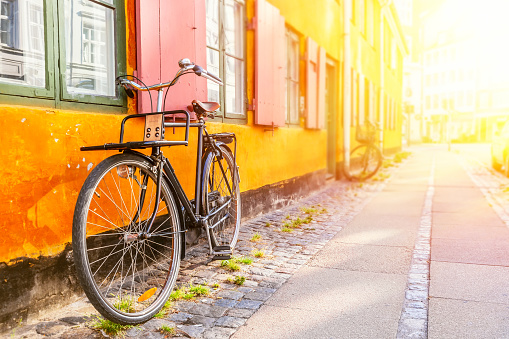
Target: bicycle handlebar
<point>201,72</point>
<point>186,67</point>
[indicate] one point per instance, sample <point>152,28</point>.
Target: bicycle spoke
<point>118,208</point>
<point>111,199</point>
<point>108,228</point>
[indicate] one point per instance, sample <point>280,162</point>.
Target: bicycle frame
<point>164,164</point>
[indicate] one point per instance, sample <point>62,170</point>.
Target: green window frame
<point>55,92</point>
<point>223,17</point>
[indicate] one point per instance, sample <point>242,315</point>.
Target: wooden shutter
<point>315,84</point>
<point>311,83</point>
<point>167,31</point>
<point>270,65</point>
<point>321,88</point>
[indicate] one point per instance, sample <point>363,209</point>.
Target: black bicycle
<point>132,215</point>
<point>366,158</point>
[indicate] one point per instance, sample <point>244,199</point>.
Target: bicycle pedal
<point>223,248</point>
<point>222,252</point>
<point>222,256</point>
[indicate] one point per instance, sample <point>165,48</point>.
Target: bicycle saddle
<point>203,107</point>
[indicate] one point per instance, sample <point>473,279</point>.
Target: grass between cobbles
<point>124,305</point>
<point>256,237</point>
<point>399,157</point>
<point>189,292</point>
<point>258,253</point>
<point>109,327</point>
<point>291,224</point>
<point>168,330</point>
<point>234,263</point>
<point>164,311</point>
<point>238,280</point>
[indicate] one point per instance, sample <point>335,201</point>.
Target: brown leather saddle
<point>202,108</point>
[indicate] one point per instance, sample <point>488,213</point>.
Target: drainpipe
<point>383,5</point>
<point>347,83</point>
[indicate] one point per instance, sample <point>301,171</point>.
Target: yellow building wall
<point>366,60</point>
<point>322,21</point>
<point>43,169</point>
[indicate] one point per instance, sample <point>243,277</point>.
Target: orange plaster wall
<point>43,168</point>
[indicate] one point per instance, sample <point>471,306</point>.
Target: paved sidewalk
<point>427,258</point>
<point>355,286</point>
<point>469,290</point>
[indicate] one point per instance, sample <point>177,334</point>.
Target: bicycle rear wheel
<point>365,160</point>
<point>126,273</point>
<point>221,193</point>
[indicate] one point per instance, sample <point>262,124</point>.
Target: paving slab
<point>318,288</point>
<point>402,204</point>
<point>407,185</point>
<point>386,230</point>
<point>466,218</point>
<point>466,319</point>
<point>474,206</point>
<point>366,258</point>
<point>481,232</point>
<point>472,251</point>
<point>278,322</point>
<point>470,282</point>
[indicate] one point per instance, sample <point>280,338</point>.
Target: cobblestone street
<point>356,260</point>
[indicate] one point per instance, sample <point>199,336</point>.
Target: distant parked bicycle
<point>132,213</point>
<point>365,159</point>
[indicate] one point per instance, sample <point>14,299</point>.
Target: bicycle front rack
<point>145,144</point>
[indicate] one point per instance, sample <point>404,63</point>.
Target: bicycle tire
<point>218,188</point>
<point>128,279</point>
<point>365,160</point>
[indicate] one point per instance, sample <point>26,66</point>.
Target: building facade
<point>456,75</point>
<point>282,65</point>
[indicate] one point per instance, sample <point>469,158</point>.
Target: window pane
<point>22,53</point>
<point>90,48</point>
<point>213,67</point>
<point>234,28</point>
<point>212,23</point>
<point>234,86</point>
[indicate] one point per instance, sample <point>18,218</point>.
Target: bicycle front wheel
<point>126,272</point>
<point>365,160</point>
<point>221,194</point>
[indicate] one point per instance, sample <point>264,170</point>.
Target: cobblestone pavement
<point>228,305</point>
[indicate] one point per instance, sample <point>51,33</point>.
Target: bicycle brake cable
<point>144,85</point>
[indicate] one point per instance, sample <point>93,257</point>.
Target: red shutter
<point>183,36</point>
<point>321,88</point>
<point>311,83</point>
<point>167,31</point>
<point>147,48</point>
<point>270,65</point>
